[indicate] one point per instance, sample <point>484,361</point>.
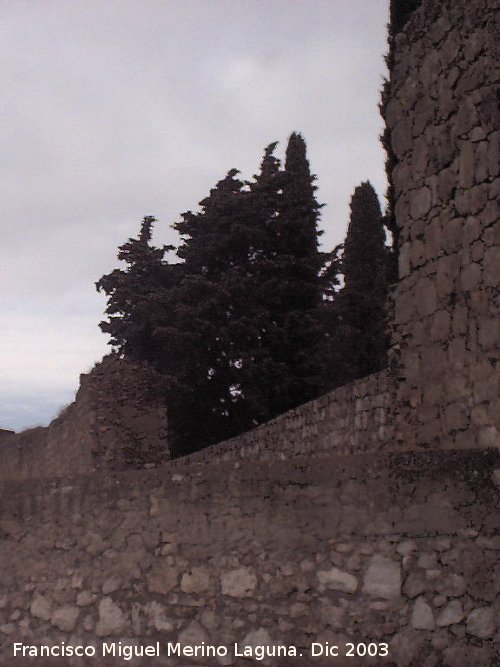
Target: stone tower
<point>443,117</point>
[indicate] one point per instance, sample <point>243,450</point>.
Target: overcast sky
<point>114,109</point>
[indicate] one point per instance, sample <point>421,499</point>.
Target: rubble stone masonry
<point>444,119</point>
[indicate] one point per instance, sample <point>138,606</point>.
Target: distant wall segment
<point>117,420</point>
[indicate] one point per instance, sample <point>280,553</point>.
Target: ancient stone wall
<point>353,419</point>
<point>116,421</point>
<point>443,117</point>
<point>398,551</point>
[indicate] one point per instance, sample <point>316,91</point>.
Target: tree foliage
<point>365,268</point>
<point>243,327</point>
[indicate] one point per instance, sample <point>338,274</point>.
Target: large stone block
<point>491,265</point>
<point>401,137</point>
<point>112,620</point>
<point>421,201</point>
<point>382,578</point>
<point>467,165</point>
<point>238,583</point>
<point>440,327</point>
<point>339,580</point>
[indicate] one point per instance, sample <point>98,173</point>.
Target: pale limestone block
<point>112,620</point>
<point>336,579</point>
<point>41,607</point>
<point>193,635</point>
<point>157,617</point>
<point>84,598</point>
<point>451,614</point>
<point>238,583</point>
<point>422,617</point>
<point>65,618</point>
<point>196,580</point>
<point>383,578</point>
<point>481,622</point>
<point>162,579</point>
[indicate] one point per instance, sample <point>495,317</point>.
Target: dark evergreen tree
<point>361,303</point>
<point>132,293</point>
<point>295,291</point>
<point>233,328</point>
<point>216,300</point>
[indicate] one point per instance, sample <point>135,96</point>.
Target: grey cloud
<point>114,110</point>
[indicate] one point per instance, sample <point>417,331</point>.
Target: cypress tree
<point>233,327</point>
<point>362,301</point>
<point>297,266</point>
<point>132,306</point>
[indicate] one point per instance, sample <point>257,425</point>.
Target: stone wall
<point>5,434</point>
<point>259,555</point>
<point>116,421</point>
<point>443,117</point>
<point>353,419</point>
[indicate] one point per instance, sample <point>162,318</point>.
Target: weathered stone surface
<point>407,547</point>
<point>420,203</point>
<point>406,647</point>
<point>193,635</point>
<point>481,622</point>
<point>466,118</point>
<point>415,584</point>
<point>450,614</point>
<point>162,579</point>
<point>84,598</point>
<point>382,578</point>
<point>401,137</point>
<point>196,580</point>
<point>158,618</point>
<point>422,617</point>
<point>491,266</point>
<point>332,615</point>
<point>239,583</point>
<point>337,580</point>
<point>259,637</point>
<point>41,607</point>
<point>65,618</point>
<point>427,560</point>
<point>112,620</point>
<point>470,277</point>
<point>111,584</point>
<point>440,326</point>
